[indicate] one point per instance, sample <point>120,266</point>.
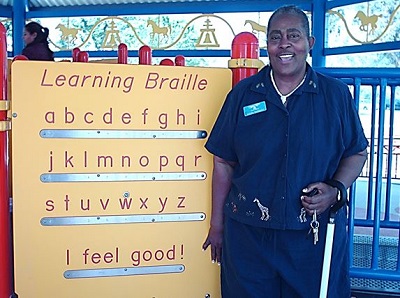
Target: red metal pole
<point>20,57</point>
<point>83,56</point>
<point>122,54</point>
<point>145,55</point>
<point>167,61</point>
<point>75,54</point>
<point>5,224</point>
<point>180,60</point>
<point>245,56</point>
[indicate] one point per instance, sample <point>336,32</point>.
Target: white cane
<point>326,265</point>
<point>330,231</point>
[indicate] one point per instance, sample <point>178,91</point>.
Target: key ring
<point>314,224</point>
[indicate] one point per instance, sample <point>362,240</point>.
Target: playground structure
<point>191,80</point>
<point>381,198</point>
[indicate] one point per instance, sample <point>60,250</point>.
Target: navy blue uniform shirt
<point>280,150</point>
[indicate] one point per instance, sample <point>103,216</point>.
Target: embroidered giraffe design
<point>241,197</point>
<point>264,210</point>
<point>302,216</point>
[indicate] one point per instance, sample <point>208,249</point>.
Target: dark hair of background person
<point>38,49</point>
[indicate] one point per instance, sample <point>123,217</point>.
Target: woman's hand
<point>324,199</point>
<point>214,239</point>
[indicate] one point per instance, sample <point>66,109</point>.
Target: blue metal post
<point>318,30</point>
<point>18,20</point>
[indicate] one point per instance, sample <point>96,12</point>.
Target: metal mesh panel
<point>387,259</point>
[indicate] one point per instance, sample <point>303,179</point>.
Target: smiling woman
<point>260,172</point>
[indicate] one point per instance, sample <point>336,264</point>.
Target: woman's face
<point>28,37</point>
<point>288,45</point>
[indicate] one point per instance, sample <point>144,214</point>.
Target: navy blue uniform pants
<point>266,263</point>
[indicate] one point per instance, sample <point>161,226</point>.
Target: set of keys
<point>314,224</point>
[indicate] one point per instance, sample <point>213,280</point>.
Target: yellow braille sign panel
<point>111,181</point>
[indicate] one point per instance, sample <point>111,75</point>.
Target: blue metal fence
<point>374,221</point>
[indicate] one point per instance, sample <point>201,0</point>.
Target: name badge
<point>254,108</point>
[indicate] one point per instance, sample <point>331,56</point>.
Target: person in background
<point>36,43</point>
<point>280,134</point>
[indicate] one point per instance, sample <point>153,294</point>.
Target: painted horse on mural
<point>67,32</point>
<point>164,31</point>
<point>367,20</point>
<point>256,27</point>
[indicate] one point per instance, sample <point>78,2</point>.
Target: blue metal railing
<point>374,211</point>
